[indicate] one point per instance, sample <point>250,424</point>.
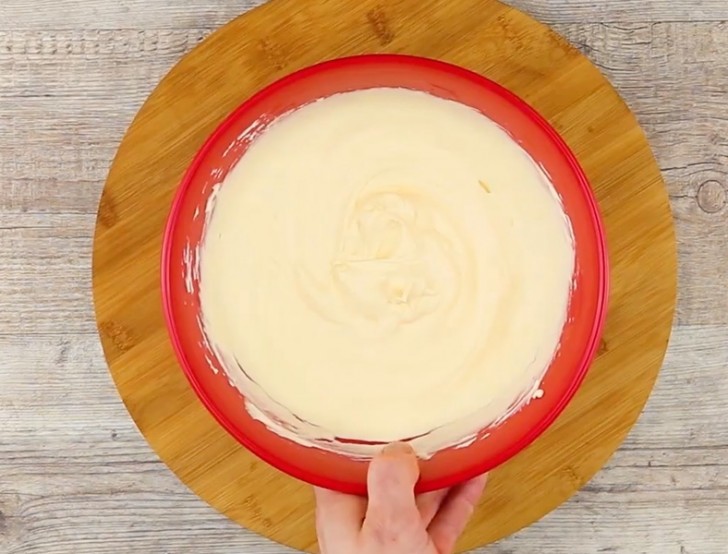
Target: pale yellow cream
<point>385,265</point>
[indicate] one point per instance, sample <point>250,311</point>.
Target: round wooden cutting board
<point>280,37</point>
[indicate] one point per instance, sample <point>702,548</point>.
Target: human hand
<point>393,520</point>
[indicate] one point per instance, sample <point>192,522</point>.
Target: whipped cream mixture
<point>385,265</point>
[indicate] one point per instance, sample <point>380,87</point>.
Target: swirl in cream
<point>385,265</point>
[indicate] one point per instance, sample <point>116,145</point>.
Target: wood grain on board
<point>75,474</point>
<point>283,36</point>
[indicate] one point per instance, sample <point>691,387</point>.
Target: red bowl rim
<point>603,272</point>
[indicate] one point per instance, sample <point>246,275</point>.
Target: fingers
<point>429,503</point>
<point>338,519</point>
<point>392,510</point>
<point>455,511</point>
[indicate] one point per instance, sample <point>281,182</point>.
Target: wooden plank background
<point>75,474</point>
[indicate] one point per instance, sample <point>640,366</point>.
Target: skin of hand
<point>393,520</point>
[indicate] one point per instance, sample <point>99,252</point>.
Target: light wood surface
<point>65,98</point>
<point>285,35</point>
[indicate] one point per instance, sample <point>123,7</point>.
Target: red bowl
<point>228,144</point>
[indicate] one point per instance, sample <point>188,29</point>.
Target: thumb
<point>391,481</point>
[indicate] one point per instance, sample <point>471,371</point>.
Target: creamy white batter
<point>384,265</point>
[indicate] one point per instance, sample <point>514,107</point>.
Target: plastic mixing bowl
<point>228,144</point>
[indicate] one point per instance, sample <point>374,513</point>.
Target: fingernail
<point>398,448</point>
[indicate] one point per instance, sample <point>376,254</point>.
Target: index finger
<point>339,518</point>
